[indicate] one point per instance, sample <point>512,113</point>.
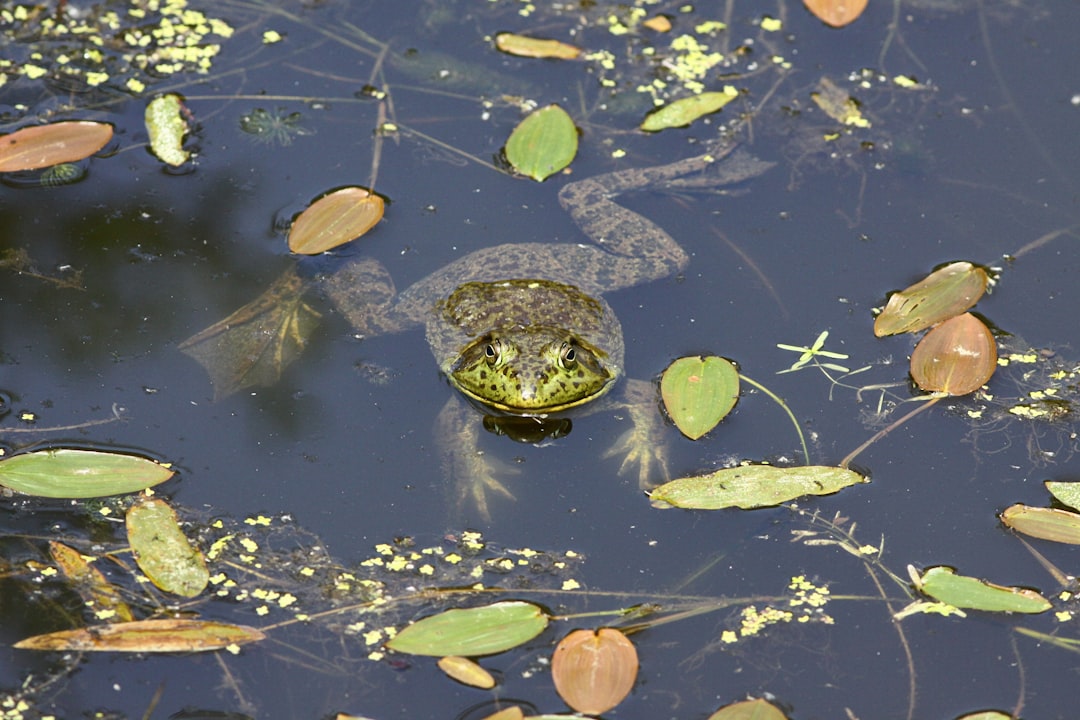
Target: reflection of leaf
<point>256,343</point>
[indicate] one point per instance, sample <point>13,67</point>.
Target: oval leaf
<point>334,220</point>
<point>699,392</point>
<point>594,671</point>
<point>146,636</point>
<point>753,486</point>
<point>466,672</point>
<point>524,46</point>
<point>957,357</point>
<point>943,294</point>
<point>685,111</point>
<point>1067,493</point>
<point>41,146</point>
<point>543,143</point>
<point>70,473</point>
<point>475,631</point>
<point>836,13</point>
<point>166,125</point>
<point>1044,523</point>
<point>758,709</point>
<point>163,551</point>
<point>942,583</point>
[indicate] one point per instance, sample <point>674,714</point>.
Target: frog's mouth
<point>531,371</point>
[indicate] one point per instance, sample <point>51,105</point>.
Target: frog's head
<point>532,370</point>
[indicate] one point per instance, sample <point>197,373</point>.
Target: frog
<point>522,332</point>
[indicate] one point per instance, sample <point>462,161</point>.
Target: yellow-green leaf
<point>1044,523</point>
<point>543,143</point>
<point>466,672</point>
<point>686,110</point>
<point>753,486</point>
<point>335,219</point>
<point>100,596</point>
<point>42,146</point>
<point>758,709</point>
<point>957,357</point>
<point>699,392</point>
<point>594,671</point>
<point>166,125</point>
<point>72,473</point>
<point>1068,493</point>
<point>524,46</point>
<point>943,294</point>
<point>474,631</point>
<point>942,583</point>
<point>146,636</point>
<point>162,551</point>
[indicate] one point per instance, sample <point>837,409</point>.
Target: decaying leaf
<point>686,110</point>
<point>836,13</point>
<point>256,343</point>
<point>146,636</point>
<point>75,473</point>
<point>100,597</point>
<point>524,46</point>
<point>943,294</point>
<point>41,146</point>
<point>162,551</point>
<point>167,126</point>
<point>838,105</point>
<point>594,671</point>
<point>335,219</point>
<point>543,143</point>
<point>957,357</point>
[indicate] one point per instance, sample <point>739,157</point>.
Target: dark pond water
<point>976,163</point>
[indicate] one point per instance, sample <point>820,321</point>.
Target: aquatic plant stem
<point>885,431</point>
<point>776,399</point>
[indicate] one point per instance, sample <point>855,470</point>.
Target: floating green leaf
<point>162,551</point>
<point>957,357</point>
<point>42,146</point>
<point>699,392</point>
<point>474,631</point>
<point>943,294</point>
<point>686,110</point>
<point>335,219</point>
<point>72,473</point>
<point>1068,493</point>
<point>758,709</point>
<point>146,636</point>
<point>753,486</point>
<point>1044,523</point>
<point>543,143</point>
<point>942,583</point>
<point>167,127</point>
<point>594,671</point>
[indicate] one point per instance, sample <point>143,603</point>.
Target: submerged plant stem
<point>885,431</point>
<point>781,403</point>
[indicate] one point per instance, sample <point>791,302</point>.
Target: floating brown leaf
<point>836,13</point>
<point>524,46</point>
<point>335,219</point>
<point>256,343</point>
<point>594,671</point>
<point>146,636</point>
<point>466,672</point>
<point>957,357</point>
<point>42,146</point>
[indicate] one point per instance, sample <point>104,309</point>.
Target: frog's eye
<point>567,356</point>
<point>493,351</point>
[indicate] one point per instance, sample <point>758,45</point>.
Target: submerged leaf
<point>838,104</point>
<point>256,343</point>
<point>957,357</point>
<point>753,486</point>
<point>42,146</point>
<point>524,46</point>
<point>943,294</point>
<point>146,636</point>
<point>474,631</point>
<point>162,551</point>
<point>543,143</point>
<point>1044,523</point>
<point>942,583</point>
<point>97,593</point>
<point>836,13</point>
<point>686,110</point>
<point>594,671</point>
<point>335,219</point>
<point>73,473</point>
<point>167,127</point>
<point>699,392</point>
